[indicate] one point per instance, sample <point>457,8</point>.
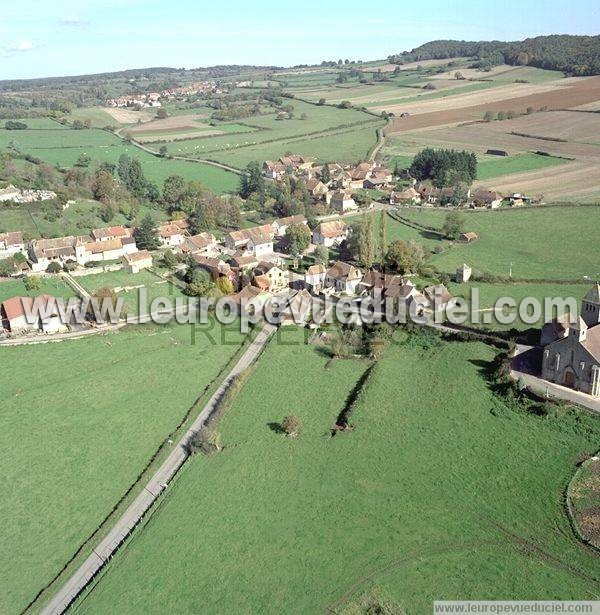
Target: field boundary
<point>132,490</point>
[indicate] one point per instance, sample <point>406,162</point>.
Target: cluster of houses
<point>337,185</point>
<point>332,183</point>
<point>156,99</point>
<point>11,193</point>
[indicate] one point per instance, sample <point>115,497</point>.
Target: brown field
<point>463,108</point>
<point>128,116</point>
<point>170,124</point>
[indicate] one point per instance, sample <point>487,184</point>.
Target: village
<point>157,99</point>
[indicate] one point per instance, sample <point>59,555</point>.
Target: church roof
<point>593,295</point>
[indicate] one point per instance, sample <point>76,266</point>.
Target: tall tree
<point>382,236</point>
<point>146,237</point>
<point>365,242</point>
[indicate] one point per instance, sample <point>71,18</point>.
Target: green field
<point>53,286</point>
<point>62,146</point>
<point>495,167</point>
<point>76,437</point>
<point>526,238</point>
<point>129,285</point>
<point>250,529</point>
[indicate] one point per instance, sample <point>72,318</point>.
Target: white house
<point>257,241</point>
<point>343,277</point>
<point>171,234</point>
<point>315,277</point>
<point>342,201</point>
<point>330,233</point>
<point>134,263</point>
<point>11,244</point>
<point>203,243</point>
<point>47,319</point>
<point>111,232</point>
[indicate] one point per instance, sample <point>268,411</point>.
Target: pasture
<point>347,514</point>
<point>497,166</point>
<point>85,434</point>
<point>526,238</point>
<point>53,286</point>
<point>63,146</point>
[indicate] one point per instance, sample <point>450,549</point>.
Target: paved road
<point>132,516</point>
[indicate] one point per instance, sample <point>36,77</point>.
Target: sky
<point>41,38</point>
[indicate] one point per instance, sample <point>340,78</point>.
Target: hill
<point>579,55</point>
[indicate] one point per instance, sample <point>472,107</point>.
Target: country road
<point>134,513</point>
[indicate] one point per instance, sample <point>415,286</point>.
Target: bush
<point>205,441</point>
<point>291,425</point>
<point>54,267</point>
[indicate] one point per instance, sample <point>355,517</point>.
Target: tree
<point>14,125</point>
<point>169,259</point>
<point>321,101</point>
<point>291,425</point>
<point>163,151</point>
<point>325,174</point>
<point>7,267</point>
<point>488,116</point>
<point>297,237</point>
<point>199,282</point>
<point>444,167</point>
<point>83,161</point>
<point>32,282</point>
<point>321,254</point>
<point>364,242</point>
<point>404,256</point>
<point>225,285</point>
<point>103,186</point>
<point>253,182</point>
<point>501,115</point>
<point>206,441</point>
<point>146,237</point>
<point>53,267</point>
<point>458,75</point>
<point>382,235</point>
<point>453,225</point>
<point>173,189</point>
<point>161,114</point>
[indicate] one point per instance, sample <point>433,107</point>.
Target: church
<point>572,349</point>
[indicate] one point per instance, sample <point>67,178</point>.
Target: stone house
<point>330,233</point>
<point>343,278</point>
<point>11,244</point>
<point>134,263</point>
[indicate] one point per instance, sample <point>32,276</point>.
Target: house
<point>330,233</point>
<point>314,277</point>
<point>134,263</point>
<point>468,237</point>
<point>342,201</point>
<point>571,355</point>
<point>42,252</point>
<point>463,274</point>
<point>107,250</point>
<point>203,243</point>
<point>408,196</point>
<point>244,262</point>
<point>343,278</point>
<point>277,279</point>
<point>298,310</point>
<point>111,233</point>
<point>217,267</point>
<point>251,299</point>
<point>280,226</point>
<point>257,240</point>
<point>11,244</point>
<point>438,296</point>
<point>380,177</point>
<point>316,188</point>
<point>18,315</point>
<point>171,234</point>
<point>297,162</point>
<point>486,198</point>
<point>273,170</point>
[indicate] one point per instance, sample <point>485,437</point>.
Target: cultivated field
<point>347,514</point>
<point>84,431</point>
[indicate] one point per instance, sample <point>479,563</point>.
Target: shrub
<point>205,441</point>
<point>53,267</point>
<point>291,425</point>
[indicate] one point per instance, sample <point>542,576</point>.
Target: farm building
<point>134,263</point>
<point>468,237</point>
<point>11,244</point>
<point>26,314</point>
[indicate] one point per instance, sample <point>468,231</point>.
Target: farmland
<point>48,286</point>
<point>343,515</point>
<point>84,432</point>
<point>62,146</point>
<point>496,167</point>
<point>525,238</point>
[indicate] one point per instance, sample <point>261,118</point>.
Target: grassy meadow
<point>344,515</point>
<point>76,437</point>
<point>489,167</point>
<point>526,238</point>
<point>53,286</point>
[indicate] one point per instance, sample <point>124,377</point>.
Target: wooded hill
<point>577,55</point>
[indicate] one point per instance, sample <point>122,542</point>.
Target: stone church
<point>572,349</point>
